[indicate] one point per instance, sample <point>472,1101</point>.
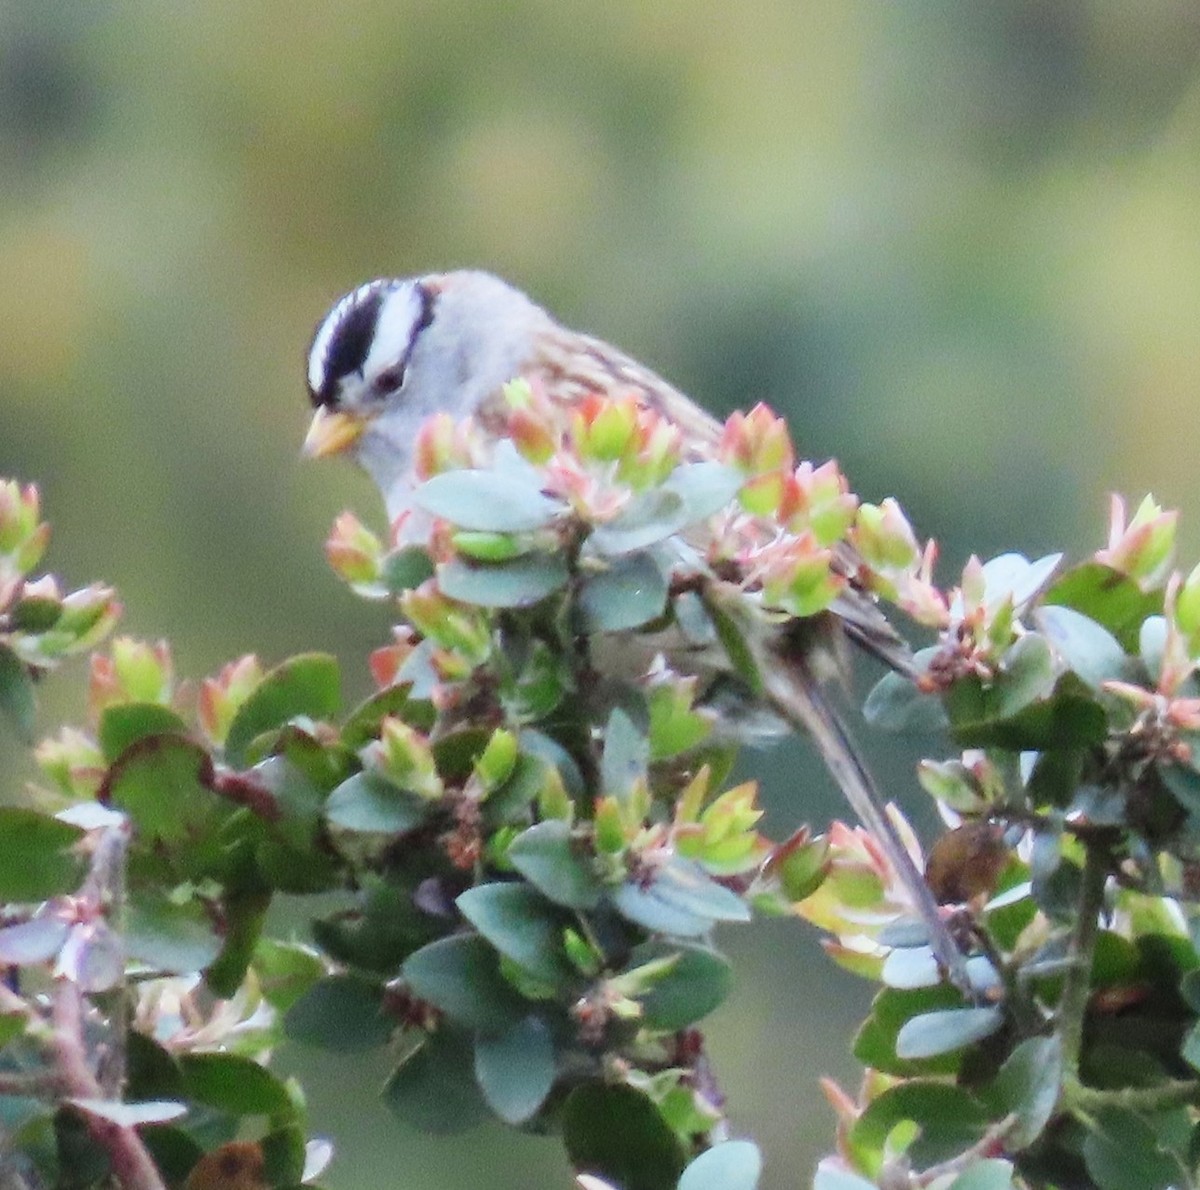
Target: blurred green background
<point>958,244</point>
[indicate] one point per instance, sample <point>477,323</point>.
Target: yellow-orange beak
<point>331,433</point>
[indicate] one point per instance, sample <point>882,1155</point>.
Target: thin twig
<point>1072,1006</point>
<point>132,1164</point>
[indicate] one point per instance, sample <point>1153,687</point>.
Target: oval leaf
<point>234,1084</point>
<point>460,976</point>
<point>125,723</point>
<point>734,1165</point>
<point>368,803</point>
<point>35,857</point>
<point>305,685</point>
<point>34,941</point>
<point>520,583</point>
<point>632,592</point>
<point>170,937</point>
<point>697,983</point>
<point>515,1069</point>
<point>434,1088</point>
<point>522,925</point>
<point>342,1013</point>
<point>547,856</point>
<point>16,693</point>
<point>1087,647</point>
<point>486,501</point>
<point>942,1032</point>
<point>618,1133</point>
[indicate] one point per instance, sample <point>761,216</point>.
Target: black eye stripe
<point>353,334</point>
<point>350,343</point>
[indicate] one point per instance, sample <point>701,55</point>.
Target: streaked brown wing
<point>573,365</point>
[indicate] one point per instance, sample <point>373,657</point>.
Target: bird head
<point>393,352</point>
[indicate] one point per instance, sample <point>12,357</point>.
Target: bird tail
<point>795,692</point>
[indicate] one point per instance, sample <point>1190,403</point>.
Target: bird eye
<point>388,381</point>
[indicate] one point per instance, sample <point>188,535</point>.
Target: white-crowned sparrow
<point>393,352</point>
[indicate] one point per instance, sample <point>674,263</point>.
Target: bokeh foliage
<point>954,244</point>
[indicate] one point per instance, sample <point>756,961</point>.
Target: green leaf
<point>16,693</point>
<point>626,755</point>
<point>731,1165</point>
<point>406,568</point>
<point>1025,676</point>
<point>1190,1050</point>
<point>1071,718</point>
<point>1123,1153</point>
<point>522,582</point>
<point>283,1151</point>
<point>1027,1087</point>
<point>1183,781</point>
<point>948,1120</point>
<point>686,885</point>
<point>285,971</point>
<point>178,938</point>
<point>648,518</point>
<point>460,976</point>
<point>162,783</point>
<point>733,640</point>
<point>244,913</point>
<point>644,908</point>
<point>697,983</point>
<point>362,725</point>
<point>1014,576</point>
<point>630,593</point>
<point>306,685</point>
<point>950,1029</point>
<point>895,703</point>
<point>234,1084</point>
<point>510,803</point>
<point>617,1133</point>
<point>1087,647</point>
<point>434,1088</point>
<point>35,857</point>
<point>175,1151</point>
<point>342,1013</point>
<point>490,547</point>
<point>487,501</point>
<point>1152,645</point>
<point>705,488</point>
<point>991,1173</point>
<point>522,925</point>
<point>369,803</point>
<point>556,865</point>
<point>1112,599</point>
<point>891,1010</point>
<point>515,1069</point>
<point>124,724</point>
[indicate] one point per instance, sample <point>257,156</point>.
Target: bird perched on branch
<point>394,352</point>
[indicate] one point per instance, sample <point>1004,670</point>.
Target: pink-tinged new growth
<point>221,697</point>
<point>403,755</point>
<point>73,761</point>
<point>861,894</point>
<point>1142,547</point>
<point>133,671</point>
<point>756,442</point>
<point>795,574</point>
<point>444,443</point>
<point>385,662</point>
<point>356,554</point>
